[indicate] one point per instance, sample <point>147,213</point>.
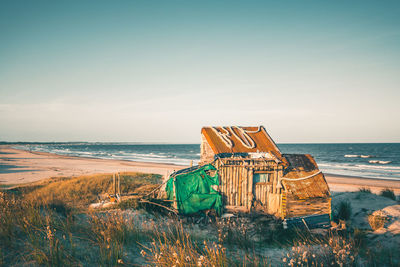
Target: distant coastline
<point>367,160</point>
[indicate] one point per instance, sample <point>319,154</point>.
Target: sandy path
<point>34,166</point>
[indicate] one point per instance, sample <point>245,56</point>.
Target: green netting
<point>194,192</point>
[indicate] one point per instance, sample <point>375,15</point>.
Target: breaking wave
<point>379,161</point>
<point>358,156</point>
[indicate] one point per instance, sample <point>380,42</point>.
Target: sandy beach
<point>19,166</point>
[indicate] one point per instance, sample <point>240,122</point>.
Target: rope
<point>224,136</point>
<point>244,137</point>
<point>256,131</point>
<point>162,206</point>
<point>303,178</point>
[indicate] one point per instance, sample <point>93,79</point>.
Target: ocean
<point>380,161</point>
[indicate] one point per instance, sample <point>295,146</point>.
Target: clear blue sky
<point>157,71</point>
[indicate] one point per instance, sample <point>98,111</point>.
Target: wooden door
<point>262,181</point>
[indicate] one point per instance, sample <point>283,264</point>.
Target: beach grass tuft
<point>389,193</point>
<point>344,211</point>
<point>366,190</point>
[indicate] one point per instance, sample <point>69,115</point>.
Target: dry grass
<point>39,222</point>
<point>79,192</point>
<point>334,250</point>
<point>174,246</point>
<point>47,224</point>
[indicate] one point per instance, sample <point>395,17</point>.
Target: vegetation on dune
<point>48,224</point>
<point>46,216</point>
<point>388,193</point>
<point>376,222</point>
<point>343,211</point>
<point>364,190</point>
<point>79,192</point>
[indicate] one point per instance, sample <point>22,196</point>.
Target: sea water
<point>364,160</point>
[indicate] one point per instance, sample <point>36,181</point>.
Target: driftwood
<point>159,205</point>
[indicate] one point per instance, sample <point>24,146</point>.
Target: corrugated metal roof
<point>301,162</point>
<point>235,139</point>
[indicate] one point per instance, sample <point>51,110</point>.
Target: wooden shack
<point>254,176</point>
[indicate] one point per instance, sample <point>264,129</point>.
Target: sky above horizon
<point>157,71</point>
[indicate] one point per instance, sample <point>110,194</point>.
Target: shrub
<point>388,193</point>
<point>334,250</point>
<point>344,210</point>
<point>60,207</point>
<point>376,221</point>
<point>364,190</point>
<point>235,232</point>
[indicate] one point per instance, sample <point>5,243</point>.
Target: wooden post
<point>244,186</point>
<point>235,185</point>
<point>223,187</point>
<point>114,188</point>
<point>250,193</point>
<point>119,184</point>
<point>231,180</point>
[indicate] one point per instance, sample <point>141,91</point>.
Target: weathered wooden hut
<point>254,176</point>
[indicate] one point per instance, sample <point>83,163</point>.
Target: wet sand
<point>20,166</point>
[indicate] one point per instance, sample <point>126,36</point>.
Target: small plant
<point>388,193</point>
<point>235,232</point>
<point>174,246</point>
<point>360,238</point>
<point>56,255</point>
<point>59,206</point>
<point>376,221</point>
<point>364,190</point>
<point>110,233</point>
<point>332,251</point>
<point>382,256</point>
<point>344,210</point>
<point>1,257</point>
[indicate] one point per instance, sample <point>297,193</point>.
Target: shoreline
<point>29,166</point>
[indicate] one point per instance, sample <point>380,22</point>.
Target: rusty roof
<point>236,139</point>
<point>315,186</point>
<point>303,179</point>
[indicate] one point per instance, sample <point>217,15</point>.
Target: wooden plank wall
<point>303,207</point>
<point>236,181</point>
<point>274,195</point>
<point>239,192</point>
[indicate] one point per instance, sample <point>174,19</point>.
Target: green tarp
<point>193,190</point>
